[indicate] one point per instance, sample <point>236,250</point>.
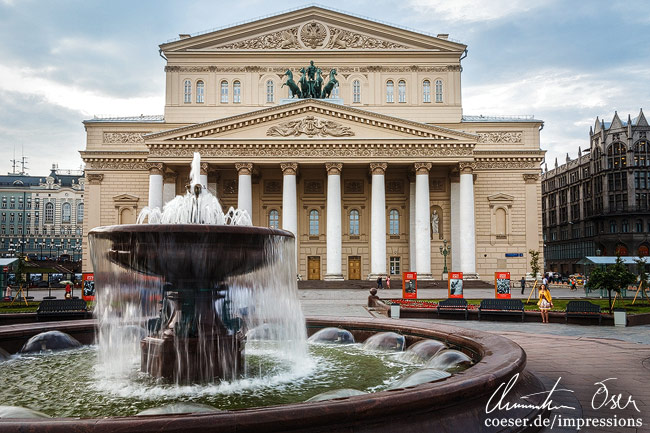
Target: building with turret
<point>597,204</point>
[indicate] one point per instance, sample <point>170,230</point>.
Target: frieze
<point>311,127</point>
<point>281,69</point>
<point>507,164</point>
<point>117,165</point>
<point>284,39</point>
<point>500,137</point>
<point>343,39</point>
<point>319,152</point>
<point>124,137</point>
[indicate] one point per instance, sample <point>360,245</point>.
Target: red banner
<point>502,286</point>
<point>409,285</point>
<point>88,287</point>
<point>455,285</point>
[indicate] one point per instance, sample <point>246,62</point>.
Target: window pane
<point>274,219</point>
<point>426,91</point>
<point>224,92</point>
<point>236,92</point>
<point>438,90</point>
<point>188,91</point>
<point>269,91</point>
<point>389,91</point>
<point>199,92</point>
<point>354,223</point>
<point>356,91</point>
<point>402,91</point>
<point>313,223</point>
<point>393,222</point>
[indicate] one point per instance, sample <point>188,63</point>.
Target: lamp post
<point>445,252</point>
<point>41,244</point>
<point>51,242</point>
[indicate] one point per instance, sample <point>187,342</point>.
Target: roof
<point>7,262</point>
<point>607,260</point>
<point>150,118</point>
<point>21,180</point>
<point>506,118</point>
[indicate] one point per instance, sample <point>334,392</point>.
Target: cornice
<point>306,106</point>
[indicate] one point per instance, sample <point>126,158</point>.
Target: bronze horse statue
<point>333,82</point>
<point>295,91</point>
<point>318,85</point>
<point>304,84</point>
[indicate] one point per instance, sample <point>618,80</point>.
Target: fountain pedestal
<point>161,356</point>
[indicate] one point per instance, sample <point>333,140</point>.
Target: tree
<point>613,278</point>
<point>534,263</point>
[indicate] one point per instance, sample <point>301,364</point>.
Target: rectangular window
<point>394,266</point>
<point>224,92</point>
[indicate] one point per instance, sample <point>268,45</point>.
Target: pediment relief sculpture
<point>312,35</point>
<point>311,127</point>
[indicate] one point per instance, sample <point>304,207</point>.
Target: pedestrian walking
<point>523,285</point>
<point>388,281</point>
<point>379,283</point>
<point>545,281</point>
<point>545,302</point>
<point>68,292</point>
<point>8,292</point>
<point>573,284</point>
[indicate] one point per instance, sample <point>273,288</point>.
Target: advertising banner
<point>455,285</point>
<point>502,285</point>
<point>409,285</point>
<point>88,290</point>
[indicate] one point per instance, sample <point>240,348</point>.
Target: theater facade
<point>347,132</point>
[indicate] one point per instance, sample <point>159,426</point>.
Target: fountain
<point>193,254</point>
<point>178,295</point>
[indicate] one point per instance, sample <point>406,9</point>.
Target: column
<point>378,221</point>
<point>169,187</point>
<point>334,243</point>
<point>455,223</point>
<point>289,198</point>
<point>422,221</point>
<point>533,212</point>
<point>245,187</point>
<point>92,213</point>
<point>156,185</point>
<point>412,236</point>
<point>467,223</point>
<point>203,177</point>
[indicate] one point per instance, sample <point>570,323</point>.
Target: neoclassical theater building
<point>372,177</point>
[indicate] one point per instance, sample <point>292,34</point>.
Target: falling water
<point>139,289</point>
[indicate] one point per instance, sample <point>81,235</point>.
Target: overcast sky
<point>565,62</point>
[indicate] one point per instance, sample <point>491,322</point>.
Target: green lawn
<point>18,307</point>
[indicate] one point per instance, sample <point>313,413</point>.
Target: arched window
<point>643,251</point>
<point>401,88</point>
<point>500,217</point>
<point>616,155</point>
<point>80,213</point>
<point>438,90</point>
<point>639,226</point>
<point>313,223</point>
<point>236,92</point>
<point>354,222</point>
<point>356,91</point>
<point>187,92</point>
<point>426,91</point>
<point>274,219</point>
<point>390,91</point>
<point>393,222</point>
<point>621,250</point>
<point>224,92</point>
<point>269,91</point>
<point>641,150</point>
<point>200,92</point>
<point>49,213</point>
<point>625,226</point>
<point>66,212</point>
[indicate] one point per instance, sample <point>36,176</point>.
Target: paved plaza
<point>579,355</point>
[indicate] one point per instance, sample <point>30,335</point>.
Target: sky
<point>563,61</point>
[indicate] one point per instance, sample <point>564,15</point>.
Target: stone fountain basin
<point>453,405</point>
<point>209,253</point>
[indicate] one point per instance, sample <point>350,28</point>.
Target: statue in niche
<point>435,223</point>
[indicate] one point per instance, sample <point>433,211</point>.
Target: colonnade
<point>463,230</point>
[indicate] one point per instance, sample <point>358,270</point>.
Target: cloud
<point>35,82</point>
<point>474,10</point>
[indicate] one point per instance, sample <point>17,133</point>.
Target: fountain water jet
<point>198,275</point>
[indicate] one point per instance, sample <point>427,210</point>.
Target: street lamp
<point>445,251</point>
<point>51,242</point>
<point>41,244</point>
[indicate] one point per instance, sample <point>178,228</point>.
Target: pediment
<point>309,29</point>
<point>125,199</point>
<point>312,119</point>
<point>501,198</point>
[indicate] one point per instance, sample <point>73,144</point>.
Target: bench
<point>582,309</point>
<point>452,305</point>
<point>55,309</point>
<point>511,307</point>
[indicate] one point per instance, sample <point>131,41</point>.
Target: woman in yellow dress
<point>545,302</point>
